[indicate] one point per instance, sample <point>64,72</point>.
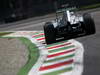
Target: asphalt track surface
<point>92,49</point>
<point>91,43</point>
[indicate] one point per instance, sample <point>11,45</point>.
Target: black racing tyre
<point>89,24</point>
<point>49,32</point>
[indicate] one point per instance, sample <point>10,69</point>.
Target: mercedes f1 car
<point>69,26</point>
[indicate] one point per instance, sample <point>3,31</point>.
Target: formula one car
<point>69,26</point>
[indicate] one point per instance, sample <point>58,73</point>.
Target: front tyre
<point>49,32</point>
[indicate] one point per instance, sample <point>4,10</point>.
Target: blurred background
<point>14,10</point>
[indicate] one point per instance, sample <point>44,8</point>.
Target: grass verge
<point>4,33</point>
<point>33,56</point>
<point>89,7</point>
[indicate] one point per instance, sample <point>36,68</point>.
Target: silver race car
<point>70,25</point>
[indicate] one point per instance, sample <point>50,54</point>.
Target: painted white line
<point>59,47</point>
<point>62,45</point>
<point>55,62</point>
<point>43,55</point>
<point>56,44</point>
<point>41,41</point>
<point>21,33</point>
<point>38,35</point>
<point>29,25</point>
<point>61,51</point>
<point>60,56</point>
<point>55,69</point>
<point>78,60</point>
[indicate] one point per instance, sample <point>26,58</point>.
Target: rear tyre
<point>49,31</point>
<point>89,24</point>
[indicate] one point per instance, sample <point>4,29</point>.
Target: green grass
<point>86,7</point>
<point>4,33</point>
<point>90,7</point>
<point>33,56</point>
